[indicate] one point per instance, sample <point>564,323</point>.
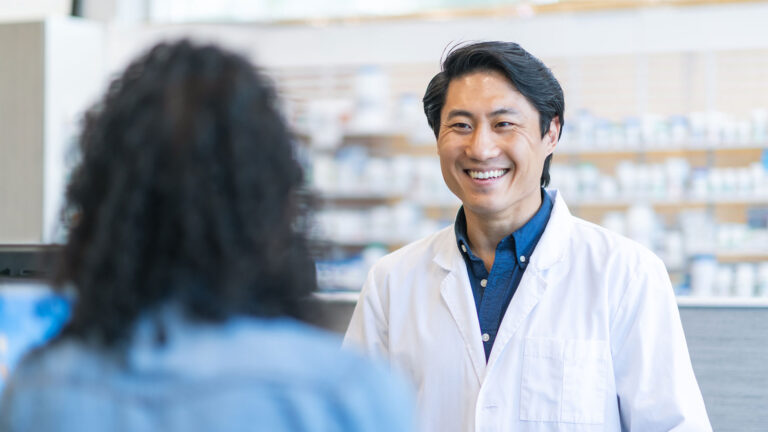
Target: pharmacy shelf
<point>485,10</point>
<point>357,195</point>
<point>682,301</point>
<point>338,296</point>
<point>665,202</point>
<point>626,202</point>
<point>362,137</point>
<point>731,302</point>
<point>725,255</point>
<point>390,242</point>
<point>368,195</point>
<point>742,255</point>
<point>358,133</point>
<point>595,202</point>
<point>437,203</point>
<point>565,148</point>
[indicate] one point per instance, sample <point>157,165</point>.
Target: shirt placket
<point>496,289</point>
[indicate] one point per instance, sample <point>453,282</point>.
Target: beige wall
<point>21,132</point>
<point>50,71</point>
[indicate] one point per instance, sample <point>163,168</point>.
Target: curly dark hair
<point>187,191</point>
<point>532,78</point>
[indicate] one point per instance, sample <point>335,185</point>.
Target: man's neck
<point>485,231</point>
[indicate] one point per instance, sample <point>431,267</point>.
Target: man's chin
<point>481,208</point>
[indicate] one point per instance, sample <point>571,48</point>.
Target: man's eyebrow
<point>465,113</point>
<point>505,110</point>
<point>459,113</point>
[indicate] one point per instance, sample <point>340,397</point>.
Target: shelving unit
<point>683,90</point>
<point>338,296</point>
<point>727,208</point>
<point>682,301</point>
<point>719,302</point>
<point>671,150</point>
<point>669,202</point>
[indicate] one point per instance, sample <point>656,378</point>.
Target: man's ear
<point>553,134</point>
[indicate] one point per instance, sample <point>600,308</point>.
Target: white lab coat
<point>591,341</point>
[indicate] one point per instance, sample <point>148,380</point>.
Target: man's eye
<point>504,124</point>
<point>462,126</point>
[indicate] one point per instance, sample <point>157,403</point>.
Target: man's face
<point>490,146</point>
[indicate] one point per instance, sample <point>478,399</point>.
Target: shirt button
<point>486,337</point>
<point>463,248</point>
<point>522,258</point>
<point>483,283</point>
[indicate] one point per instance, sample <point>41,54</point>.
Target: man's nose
<point>482,145</point>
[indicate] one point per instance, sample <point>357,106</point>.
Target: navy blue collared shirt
<point>494,291</point>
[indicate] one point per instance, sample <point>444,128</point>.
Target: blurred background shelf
<point>742,255</point>
<point>682,301</point>
<point>673,149</point>
<point>723,302</point>
<point>338,296</point>
<point>356,195</point>
<point>667,202</point>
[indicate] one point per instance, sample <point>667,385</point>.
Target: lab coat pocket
<point>564,380</point>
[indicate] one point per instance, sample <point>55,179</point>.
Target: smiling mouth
<point>486,174</point>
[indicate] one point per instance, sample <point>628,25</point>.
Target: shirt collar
<point>460,228</point>
<point>522,241</point>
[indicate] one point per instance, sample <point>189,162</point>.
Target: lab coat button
<point>463,248</point>
<point>486,337</point>
<point>483,283</point>
<point>522,258</point>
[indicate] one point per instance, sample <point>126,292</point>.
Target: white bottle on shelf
<point>703,272</point>
<point>762,280</point>
<point>724,279</point>
<point>744,285</point>
<point>760,125</point>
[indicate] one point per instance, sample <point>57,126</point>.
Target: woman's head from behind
<point>186,192</point>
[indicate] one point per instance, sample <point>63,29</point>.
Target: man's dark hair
<point>186,194</point>
<point>527,74</point>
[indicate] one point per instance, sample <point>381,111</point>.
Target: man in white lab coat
<point>521,317</point>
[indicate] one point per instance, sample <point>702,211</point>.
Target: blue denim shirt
<point>493,291</point>
<point>244,375</point>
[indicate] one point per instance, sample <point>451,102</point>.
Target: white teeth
<point>482,175</point>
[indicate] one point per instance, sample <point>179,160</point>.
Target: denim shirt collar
<point>522,241</point>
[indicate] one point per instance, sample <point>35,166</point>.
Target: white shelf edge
<point>351,132</point>
<point>731,253</point>
<point>588,202</point>
<point>566,148</point>
<point>737,302</point>
<point>579,150</point>
<point>340,296</point>
<point>682,301</point>
<point>725,254</point>
<point>356,195</point>
<point>610,202</point>
<point>438,203</point>
<point>363,242</point>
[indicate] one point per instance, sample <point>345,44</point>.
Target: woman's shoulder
<point>259,367</point>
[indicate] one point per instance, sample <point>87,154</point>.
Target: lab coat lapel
<point>531,289</point>
<point>548,261</point>
<point>457,294</point>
